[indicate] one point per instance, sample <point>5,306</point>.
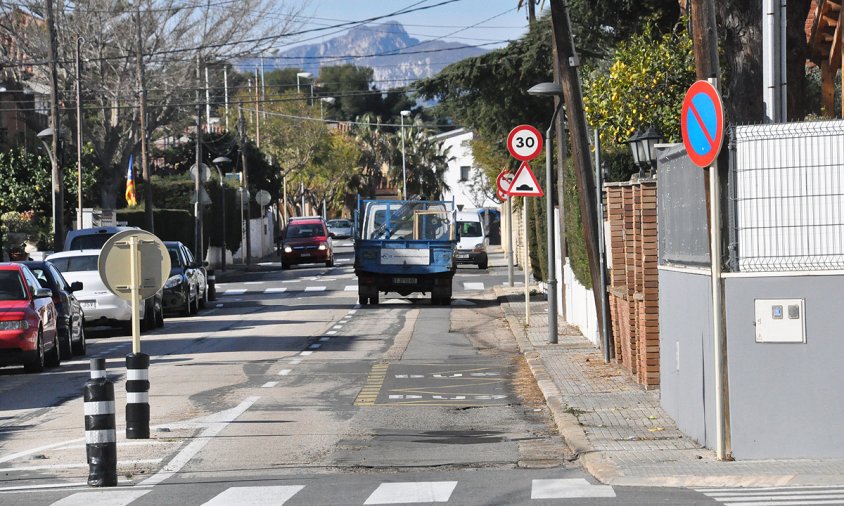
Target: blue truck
<point>405,246</point>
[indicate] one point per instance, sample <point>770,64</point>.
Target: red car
<point>307,241</point>
<point>28,319</point>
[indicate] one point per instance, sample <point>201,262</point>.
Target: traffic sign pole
<point>510,241</point>
<point>134,282</point>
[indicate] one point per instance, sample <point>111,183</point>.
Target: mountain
<point>395,57</point>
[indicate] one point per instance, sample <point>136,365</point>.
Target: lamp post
<point>217,162</point>
<point>643,147</point>
<point>550,90</point>
<point>403,165</point>
<point>304,75</point>
<point>325,100</point>
<point>58,217</point>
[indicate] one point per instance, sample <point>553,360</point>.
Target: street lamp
<point>303,75</point>
<point>217,162</point>
<point>643,147</point>
<point>58,217</point>
<point>403,166</point>
<point>550,90</point>
<point>325,100</point>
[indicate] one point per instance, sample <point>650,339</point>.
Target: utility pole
<point>79,133</point>
<point>241,135</point>
<point>568,61</point>
<point>257,114</point>
<point>197,187</point>
<point>562,148</point>
<point>705,47</point>
<point>56,173</point>
<point>207,99</point>
<point>142,101</point>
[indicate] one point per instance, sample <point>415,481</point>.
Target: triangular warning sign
<point>525,183</point>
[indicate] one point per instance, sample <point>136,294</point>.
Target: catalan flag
<point>130,185</point>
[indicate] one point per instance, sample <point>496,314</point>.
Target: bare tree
<point>174,32</point>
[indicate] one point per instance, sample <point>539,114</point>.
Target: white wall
<point>579,301</point>
<point>458,142</point>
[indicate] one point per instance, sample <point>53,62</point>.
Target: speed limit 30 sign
<point>524,143</point>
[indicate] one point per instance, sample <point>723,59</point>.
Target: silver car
<point>341,228</point>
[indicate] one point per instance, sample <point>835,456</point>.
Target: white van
<point>471,249</point>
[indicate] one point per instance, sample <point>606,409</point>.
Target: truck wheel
<point>373,299</point>
<point>483,264</point>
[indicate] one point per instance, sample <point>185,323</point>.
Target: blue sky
<point>483,23</point>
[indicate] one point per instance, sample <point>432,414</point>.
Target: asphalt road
<point>285,391</point>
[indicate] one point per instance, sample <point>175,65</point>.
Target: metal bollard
<point>100,434</point>
<point>137,396</point>
<point>212,285</point>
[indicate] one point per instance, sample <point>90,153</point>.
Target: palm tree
<point>372,142</point>
<point>426,161</point>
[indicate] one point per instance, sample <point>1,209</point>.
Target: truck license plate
<point>88,304</point>
<point>404,281</point>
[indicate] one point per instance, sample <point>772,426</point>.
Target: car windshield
<point>11,286</point>
<point>300,231</point>
<point>76,264</point>
<point>470,228</point>
<point>94,241</point>
<point>174,258</point>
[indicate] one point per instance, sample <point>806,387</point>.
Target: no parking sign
<point>702,123</point>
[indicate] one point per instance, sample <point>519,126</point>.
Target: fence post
<point>100,434</point>
<point>137,396</point>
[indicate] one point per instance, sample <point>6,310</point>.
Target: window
<point>470,228</point>
<point>11,287</point>
<point>464,172</point>
<point>76,264</point>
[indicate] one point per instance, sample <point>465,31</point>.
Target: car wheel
<point>80,347</point>
<point>36,363</point>
<point>186,309</point>
<point>54,359</point>
<point>285,265</point>
<point>126,327</point>
<point>148,323</point>
<point>483,265</point>
<point>65,344</point>
<point>373,299</point>
<point>159,315</point>
<point>194,305</point>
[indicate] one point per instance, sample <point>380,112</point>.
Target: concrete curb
<point>567,424</point>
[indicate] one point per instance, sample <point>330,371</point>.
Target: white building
<point>466,182</point>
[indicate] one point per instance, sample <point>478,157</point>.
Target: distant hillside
<point>404,59</point>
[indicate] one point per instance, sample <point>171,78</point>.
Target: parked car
<point>101,307</point>
<point>307,241</point>
<point>186,290</point>
<point>28,334</point>
<point>95,238</point>
<point>71,316</point>
<point>341,228</point>
<point>471,249</point>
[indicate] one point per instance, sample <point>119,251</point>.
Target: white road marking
<point>253,283</point>
<point>296,361</point>
<point>45,487</point>
<point>409,376</point>
<point>568,489</point>
<point>351,288</point>
<point>269,384</point>
<point>337,327</point>
<point>514,283</point>
<point>110,497</point>
<point>276,290</point>
<point>324,339</point>
<point>284,372</point>
<point>219,305</point>
<point>306,353</point>
<point>256,496</point>
<point>37,449</point>
<point>217,423</point>
<point>331,332</point>
<point>315,346</point>
<point>353,311</point>
<point>239,291</point>
<point>418,492</point>
<point>473,286</point>
<point>314,288</point>
<point>290,281</point>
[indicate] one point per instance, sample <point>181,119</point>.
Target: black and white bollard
<point>212,284</point>
<point>100,434</point>
<point>137,396</point>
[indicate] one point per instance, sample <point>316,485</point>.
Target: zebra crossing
<point>776,496</point>
<point>403,492</point>
<point>255,288</point>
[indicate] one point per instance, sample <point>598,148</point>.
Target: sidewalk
<point>619,431</point>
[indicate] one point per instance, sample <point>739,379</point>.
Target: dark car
<point>71,316</point>
<point>186,291</point>
<point>307,241</point>
<point>27,320</point>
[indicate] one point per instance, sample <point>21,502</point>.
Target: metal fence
<point>786,193</point>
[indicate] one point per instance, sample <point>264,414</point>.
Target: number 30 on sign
<point>524,143</point>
